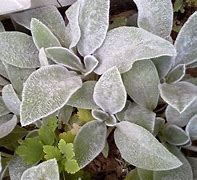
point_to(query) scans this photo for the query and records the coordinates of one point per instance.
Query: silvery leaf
(179, 95)
(18, 49)
(3, 71)
(181, 119)
(141, 83)
(89, 142)
(46, 91)
(42, 35)
(11, 99)
(90, 64)
(16, 168)
(163, 65)
(72, 14)
(3, 81)
(141, 149)
(65, 114)
(145, 174)
(176, 74)
(50, 16)
(193, 163)
(181, 173)
(125, 45)
(18, 76)
(7, 126)
(186, 42)
(3, 109)
(140, 116)
(109, 92)
(47, 170)
(159, 124)
(93, 22)
(191, 128)
(100, 115)
(190, 79)
(1, 27)
(155, 16)
(111, 121)
(65, 57)
(83, 97)
(105, 151)
(175, 135)
(43, 58)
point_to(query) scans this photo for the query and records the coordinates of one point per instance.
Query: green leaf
(175, 135)
(93, 22)
(50, 16)
(71, 166)
(46, 135)
(145, 174)
(141, 149)
(51, 152)
(132, 175)
(2, 29)
(11, 99)
(68, 136)
(39, 172)
(141, 83)
(185, 42)
(66, 149)
(83, 97)
(65, 57)
(84, 115)
(133, 44)
(109, 92)
(89, 142)
(42, 35)
(156, 21)
(31, 150)
(46, 91)
(18, 49)
(191, 128)
(179, 95)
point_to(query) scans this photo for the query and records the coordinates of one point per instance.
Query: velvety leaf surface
(90, 64)
(46, 91)
(140, 116)
(50, 16)
(100, 115)
(65, 114)
(89, 142)
(83, 97)
(43, 58)
(191, 128)
(18, 49)
(65, 57)
(133, 175)
(42, 35)
(181, 119)
(141, 149)
(47, 170)
(7, 126)
(181, 173)
(125, 45)
(186, 42)
(1, 27)
(3, 109)
(3, 71)
(155, 16)
(175, 135)
(179, 95)
(93, 22)
(11, 99)
(141, 83)
(109, 92)
(193, 163)
(159, 124)
(3, 81)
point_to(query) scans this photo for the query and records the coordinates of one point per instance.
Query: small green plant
(140, 92)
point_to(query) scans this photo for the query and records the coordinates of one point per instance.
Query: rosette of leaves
(55, 67)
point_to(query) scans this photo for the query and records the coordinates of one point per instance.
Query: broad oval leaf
(193, 163)
(141, 83)
(179, 95)
(100, 115)
(175, 135)
(141, 149)
(181, 119)
(183, 172)
(155, 16)
(47, 170)
(3, 109)
(7, 126)
(18, 49)
(46, 91)
(89, 142)
(65, 57)
(186, 43)
(93, 22)
(109, 92)
(90, 64)
(11, 99)
(125, 45)
(191, 128)
(43, 58)
(83, 97)
(145, 174)
(1, 27)
(42, 35)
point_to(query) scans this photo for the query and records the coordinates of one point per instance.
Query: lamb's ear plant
(70, 86)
